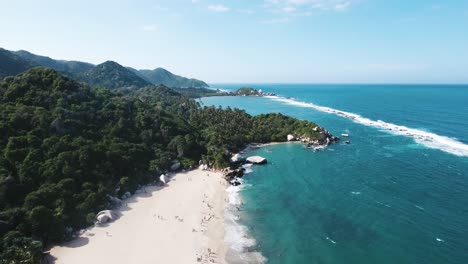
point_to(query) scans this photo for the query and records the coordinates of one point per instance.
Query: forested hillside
(165, 77)
(66, 148)
(11, 64)
(112, 75)
(109, 74)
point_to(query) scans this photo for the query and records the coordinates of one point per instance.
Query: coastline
(241, 245)
(182, 222)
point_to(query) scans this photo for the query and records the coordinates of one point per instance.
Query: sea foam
(427, 139)
(236, 235)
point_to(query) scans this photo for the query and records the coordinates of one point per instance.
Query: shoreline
(182, 222)
(237, 237)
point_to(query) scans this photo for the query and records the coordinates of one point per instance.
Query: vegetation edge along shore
(67, 149)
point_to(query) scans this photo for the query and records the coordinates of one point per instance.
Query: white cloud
(289, 9)
(276, 21)
(245, 11)
(148, 28)
(218, 8)
(342, 6)
(292, 6)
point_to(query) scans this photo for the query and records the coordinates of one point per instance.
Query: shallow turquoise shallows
(397, 194)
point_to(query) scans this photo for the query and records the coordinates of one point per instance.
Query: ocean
(397, 194)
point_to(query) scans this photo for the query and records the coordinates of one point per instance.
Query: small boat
(347, 142)
(344, 135)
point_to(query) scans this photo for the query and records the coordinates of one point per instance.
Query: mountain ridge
(165, 77)
(15, 62)
(112, 75)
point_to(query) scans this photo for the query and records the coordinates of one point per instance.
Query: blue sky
(262, 41)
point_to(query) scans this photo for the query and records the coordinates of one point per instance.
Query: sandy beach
(182, 222)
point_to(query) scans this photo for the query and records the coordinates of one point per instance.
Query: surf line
(427, 139)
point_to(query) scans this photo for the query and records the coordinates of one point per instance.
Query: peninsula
(70, 151)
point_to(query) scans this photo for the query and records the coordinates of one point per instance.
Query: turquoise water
(386, 198)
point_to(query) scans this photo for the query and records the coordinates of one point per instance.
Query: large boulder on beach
(106, 216)
(257, 160)
(291, 137)
(162, 179)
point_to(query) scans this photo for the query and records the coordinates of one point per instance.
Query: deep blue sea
(397, 194)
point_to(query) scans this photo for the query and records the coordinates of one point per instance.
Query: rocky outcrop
(291, 137)
(256, 160)
(231, 175)
(106, 216)
(324, 138)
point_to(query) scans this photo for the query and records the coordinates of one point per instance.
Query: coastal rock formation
(291, 137)
(106, 216)
(231, 175)
(256, 160)
(324, 138)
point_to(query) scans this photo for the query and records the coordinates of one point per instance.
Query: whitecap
(236, 235)
(356, 193)
(428, 139)
(248, 168)
(331, 240)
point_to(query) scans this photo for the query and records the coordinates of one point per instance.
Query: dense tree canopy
(66, 148)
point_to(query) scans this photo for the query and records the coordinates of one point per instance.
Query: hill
(165, 77)
(67, 150)
(72, 67)
(112, 75)
(12, 64)
(15, 62)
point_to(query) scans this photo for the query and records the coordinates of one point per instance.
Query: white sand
(192, 225)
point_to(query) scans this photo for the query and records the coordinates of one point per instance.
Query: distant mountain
(165, 77)
(112, 75)
(12, 64)
(109, 74)
(73, 67)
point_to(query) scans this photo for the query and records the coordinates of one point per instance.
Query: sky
(252, 41)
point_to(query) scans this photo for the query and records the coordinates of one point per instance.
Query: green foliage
(200, 92)
(64, 148)
(112, 75)
(246, 91)
(276, 127)
(72, 67)
(19, 249)
(161, 76)
(11, 64)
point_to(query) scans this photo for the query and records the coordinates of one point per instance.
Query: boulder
(232, 174)
(291, 137)
(162, 179)
(256, 160)
(106, 216)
